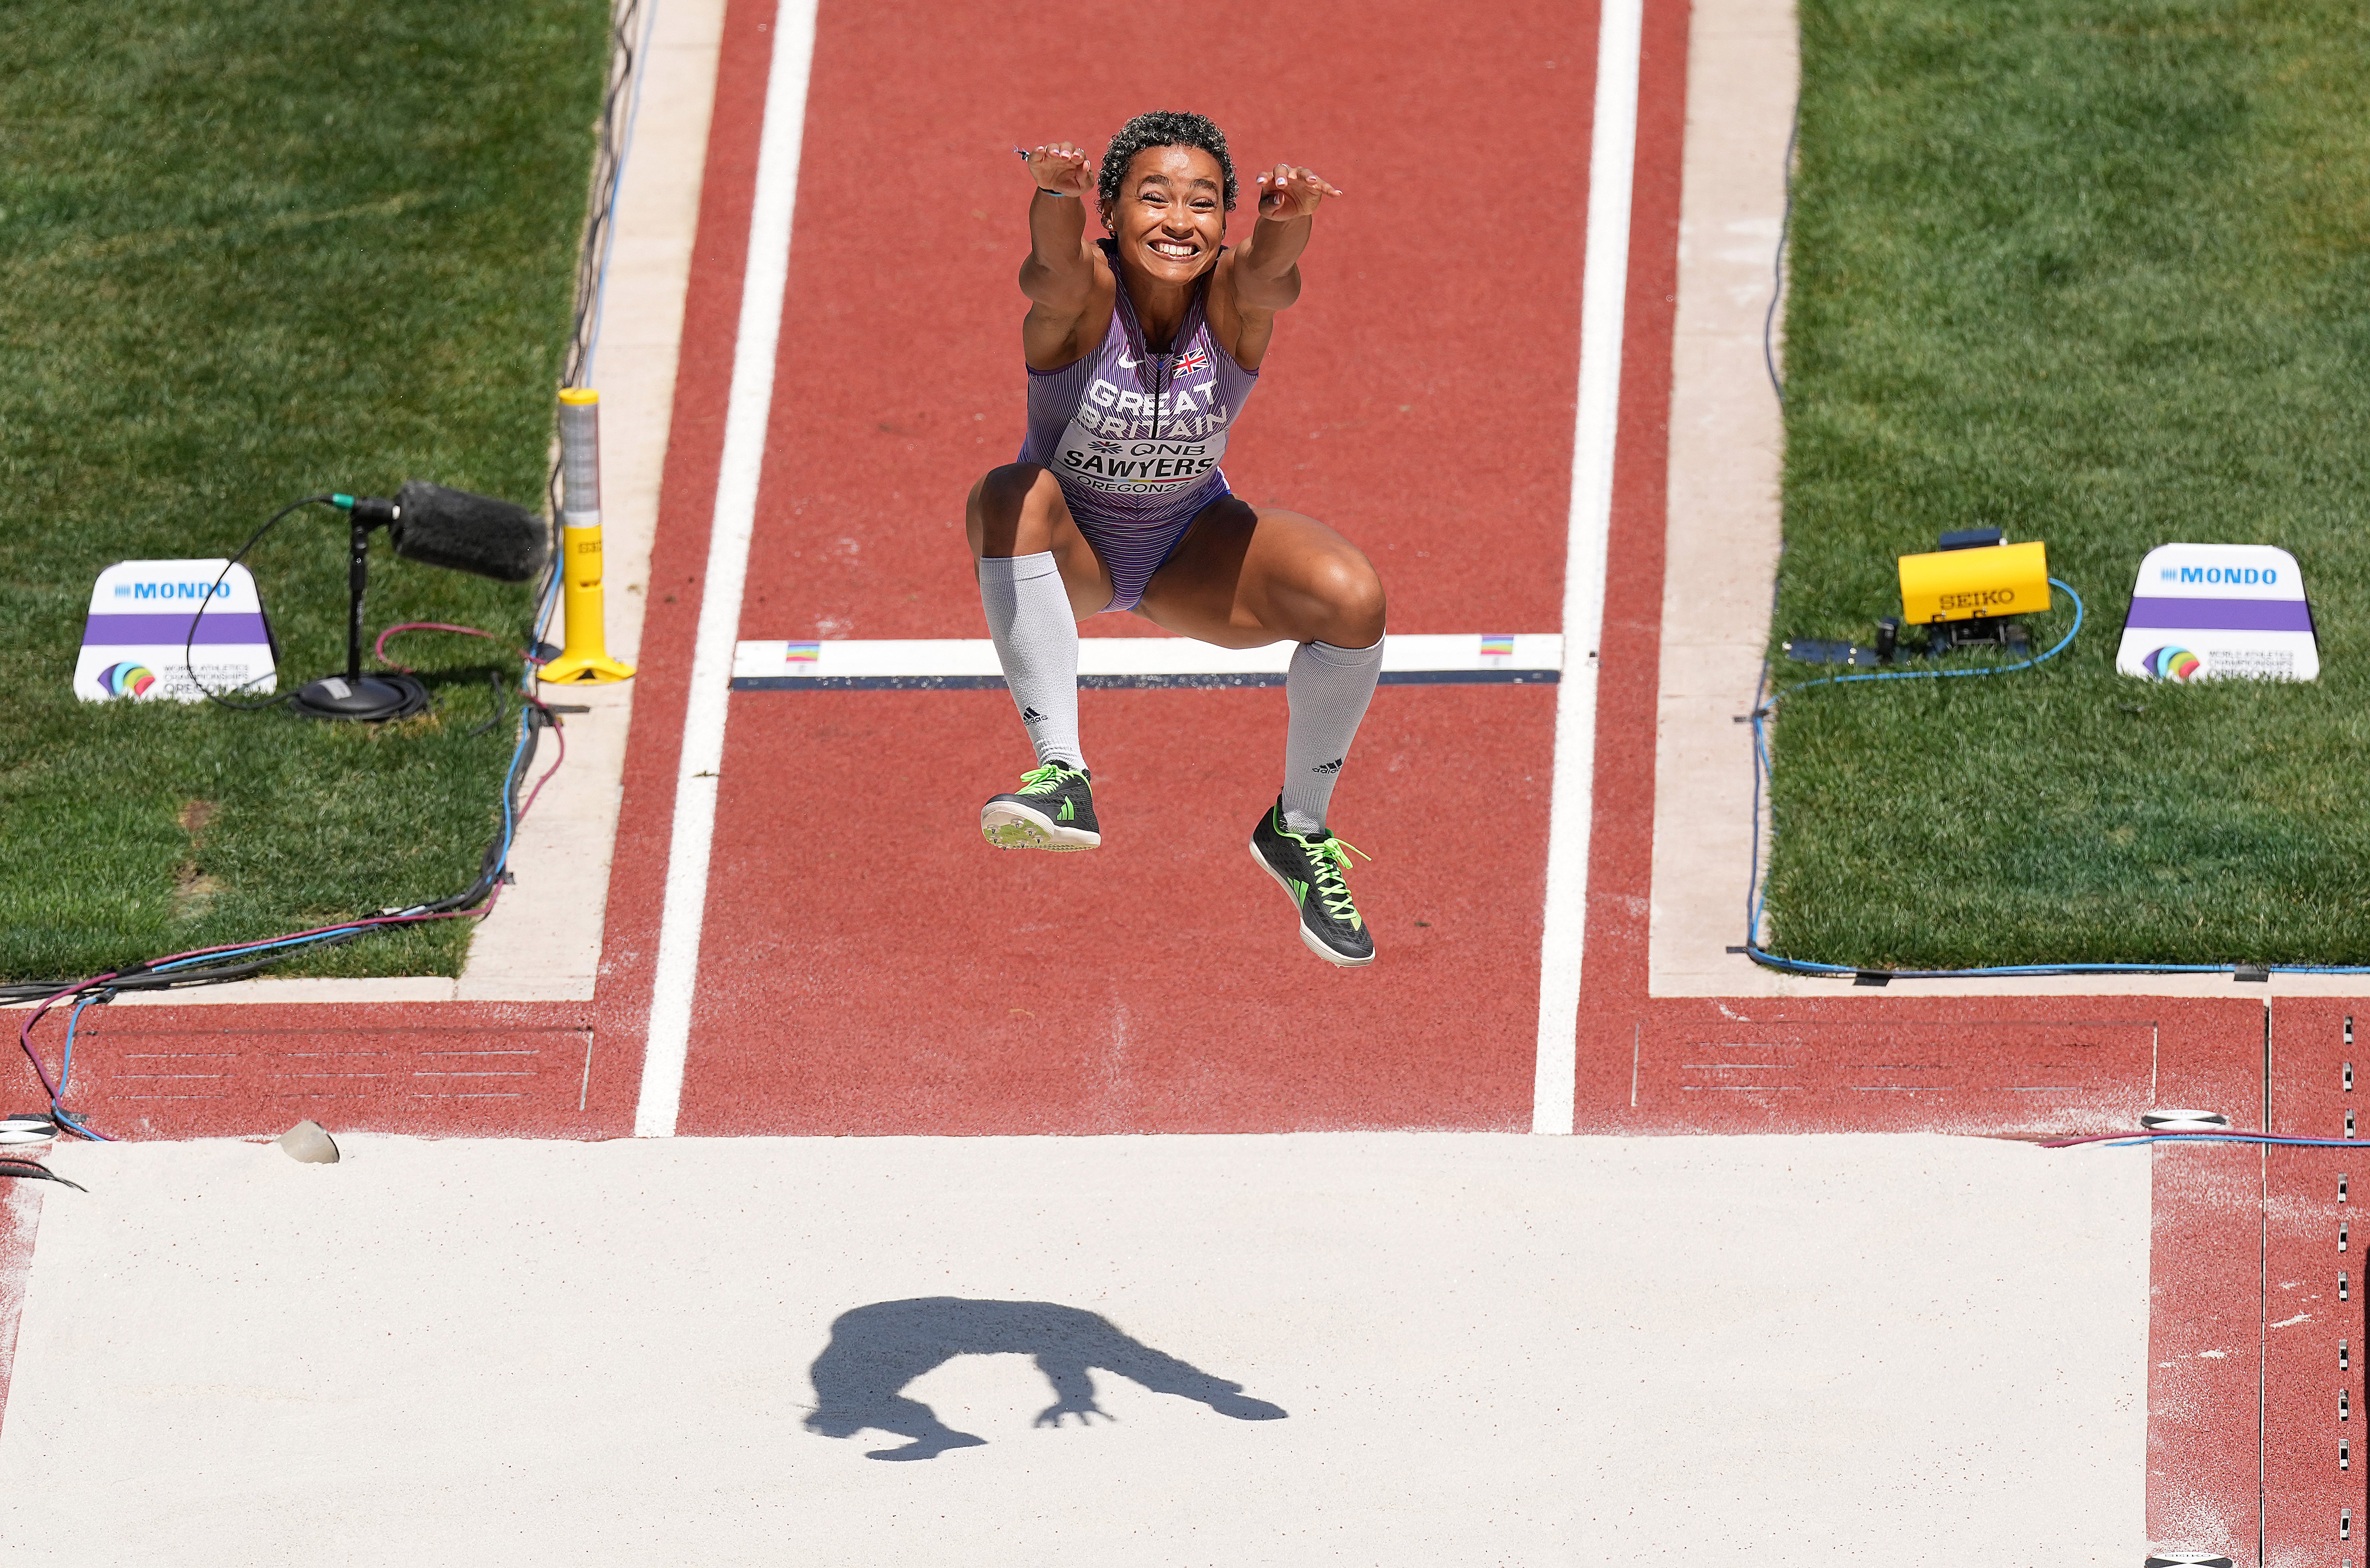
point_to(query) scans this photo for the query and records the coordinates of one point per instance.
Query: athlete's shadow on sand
(875, 1351)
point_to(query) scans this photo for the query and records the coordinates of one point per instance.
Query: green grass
(2097, 272)
(251, 250)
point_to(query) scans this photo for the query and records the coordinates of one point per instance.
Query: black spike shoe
(1309, 868)
(1053, 810)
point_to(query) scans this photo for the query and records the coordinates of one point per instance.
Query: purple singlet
(1134, 437)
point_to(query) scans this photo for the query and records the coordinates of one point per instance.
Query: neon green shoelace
(1330, 859)
(1042, 781)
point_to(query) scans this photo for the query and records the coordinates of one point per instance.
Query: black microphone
(428, 524)
(467, 533)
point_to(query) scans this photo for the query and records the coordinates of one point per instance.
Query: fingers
(1053, 1416)
(1310, 182)
(1059, 166)
(1289, 192)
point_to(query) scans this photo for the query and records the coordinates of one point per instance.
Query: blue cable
(65, 1068)
(65, 1072)
(509, 820)
(1944, 674)
(2233, 1137)
(218, 955)
(510, 825)
(74, 1016)
(73, 1126)
(1762, 770)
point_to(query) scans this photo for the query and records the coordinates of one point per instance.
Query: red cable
(378, 648)
(41, 1008)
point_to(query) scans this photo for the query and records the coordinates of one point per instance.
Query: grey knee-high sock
(1037, 642)
(1328, 688)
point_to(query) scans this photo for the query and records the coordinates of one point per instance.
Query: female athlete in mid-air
(1141, 348)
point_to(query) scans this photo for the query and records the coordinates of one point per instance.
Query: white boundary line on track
(765, 281)
(1604, 288)
(785, 663)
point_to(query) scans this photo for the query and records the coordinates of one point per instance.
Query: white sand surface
(1489, 1350)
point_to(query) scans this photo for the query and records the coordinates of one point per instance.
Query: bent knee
(1015, 484)
(1012, 509)
(1351, 591)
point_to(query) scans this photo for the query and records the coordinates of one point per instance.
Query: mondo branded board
(2203, 612)
(173, 629)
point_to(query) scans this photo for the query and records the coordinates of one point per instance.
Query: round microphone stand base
(371, 699)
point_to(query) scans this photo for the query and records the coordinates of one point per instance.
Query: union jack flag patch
(1197, 360)
(1104, 446)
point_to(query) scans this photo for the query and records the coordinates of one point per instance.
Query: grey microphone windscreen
(468, 534)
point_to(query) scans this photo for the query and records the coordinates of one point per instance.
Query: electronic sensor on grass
(1966, 590)
(1961, 593)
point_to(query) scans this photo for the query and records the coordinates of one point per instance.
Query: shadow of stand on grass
(876, 1350)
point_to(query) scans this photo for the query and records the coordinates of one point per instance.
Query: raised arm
(1060, 275)
(1262, 276)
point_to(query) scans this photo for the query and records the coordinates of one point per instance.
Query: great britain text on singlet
(1130, 443)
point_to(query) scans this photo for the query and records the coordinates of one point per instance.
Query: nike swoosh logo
(1127, 364)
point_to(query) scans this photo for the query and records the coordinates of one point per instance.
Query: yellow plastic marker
(584, 660)
(1990, 579)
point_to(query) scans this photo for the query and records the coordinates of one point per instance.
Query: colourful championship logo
(801, 653)
(1498, 645)
(2174, 664)
(1196, 361)
(127, 680)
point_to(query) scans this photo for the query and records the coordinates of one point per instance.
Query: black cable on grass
(189, 660)
(239, 960)
(611, 139)
(213, 966)
(493, 679)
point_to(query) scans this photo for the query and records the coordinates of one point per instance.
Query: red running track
(870, 966)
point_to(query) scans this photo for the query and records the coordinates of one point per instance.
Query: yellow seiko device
(1975, 580)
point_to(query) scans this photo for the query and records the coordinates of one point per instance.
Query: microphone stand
(369, 699)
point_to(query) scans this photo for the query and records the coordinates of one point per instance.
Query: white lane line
(1481, 655)
(1604, 287)
(763, 281)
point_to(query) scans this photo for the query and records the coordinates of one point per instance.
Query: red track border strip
(679, 553)
(1621, 861)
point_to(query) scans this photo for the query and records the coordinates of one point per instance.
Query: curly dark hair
(1163, 128)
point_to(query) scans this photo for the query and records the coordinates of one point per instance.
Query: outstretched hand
(1085, 1410)
(1288, 191)
(1063, 167)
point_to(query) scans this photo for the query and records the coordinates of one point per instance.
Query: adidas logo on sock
(1332, 767)
(1030, 715)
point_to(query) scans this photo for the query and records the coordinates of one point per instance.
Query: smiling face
(1170, 217)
